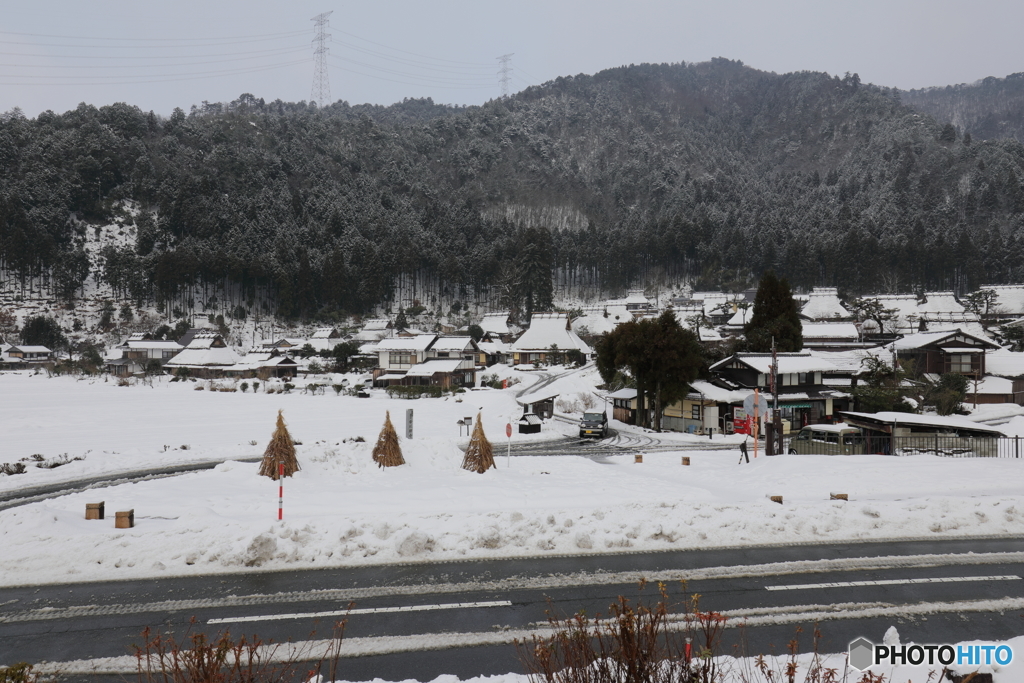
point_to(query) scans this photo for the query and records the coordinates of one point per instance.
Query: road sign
(508, 430)
(762, 405)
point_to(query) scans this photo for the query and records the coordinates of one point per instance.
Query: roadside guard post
(508, 433)
(280, 491)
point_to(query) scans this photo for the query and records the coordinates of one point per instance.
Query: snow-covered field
(341, 510)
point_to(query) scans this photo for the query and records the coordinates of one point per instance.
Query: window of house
(442, 354)
(401, 358)
(695, 412)
(960, 363)
(803, 378)
(788, 379)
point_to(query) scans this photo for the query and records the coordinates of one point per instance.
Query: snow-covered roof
(30, 349)
(151, 344)
(788, 362)
(596, 323)
(992, 385)
(709, 334)
(955, 336)
(742, 316)
(193, 356)
(637, 297)
(492, 347)
(713, 392)
(433, 366)
(626, 394)
(1005, 363)
(823, 304)
(324, 333)
(495, 322)
(376, 324)
(1009, 299)
(420, 342)
(452, 344)
(830, 331)
(547, 330)
(925, 421)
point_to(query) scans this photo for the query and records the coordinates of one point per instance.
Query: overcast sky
(175, 54)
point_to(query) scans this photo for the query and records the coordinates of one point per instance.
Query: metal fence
(948, 446)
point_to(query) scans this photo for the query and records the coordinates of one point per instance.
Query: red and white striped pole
(280, 491)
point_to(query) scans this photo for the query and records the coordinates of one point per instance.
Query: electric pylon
(504, 72)
(321, 79)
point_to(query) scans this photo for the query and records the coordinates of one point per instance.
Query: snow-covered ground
(341, 510)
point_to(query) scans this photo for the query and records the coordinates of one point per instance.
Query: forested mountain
(711, 171)
(989, 109)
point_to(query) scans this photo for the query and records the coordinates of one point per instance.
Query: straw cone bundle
(479, 456)
(387, 452)
(281, 449)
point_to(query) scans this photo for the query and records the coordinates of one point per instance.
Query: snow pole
(280, 491)
(754, 428)
(508, 455)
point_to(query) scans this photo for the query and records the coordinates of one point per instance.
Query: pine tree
(775, 316)
(479, 455)
(387, 452)
(281, 449)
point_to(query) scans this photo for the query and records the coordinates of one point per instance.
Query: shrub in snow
(479, 456)
(281, 449)
(387, 452)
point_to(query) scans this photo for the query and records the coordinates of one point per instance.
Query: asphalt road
(465, 613)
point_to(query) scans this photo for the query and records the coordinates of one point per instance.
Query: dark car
(594, 424)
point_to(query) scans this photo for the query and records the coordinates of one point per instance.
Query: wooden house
(944, 351)
(804, 396)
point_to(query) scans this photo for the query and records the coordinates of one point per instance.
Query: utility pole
(776, 431)
(504, 72)
(321, 79)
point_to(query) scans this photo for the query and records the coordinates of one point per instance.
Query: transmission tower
(504, 72)
(321, 79)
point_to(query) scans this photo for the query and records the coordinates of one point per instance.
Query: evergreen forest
(708, 172)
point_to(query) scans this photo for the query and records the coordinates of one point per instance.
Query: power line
(436, 87)
(465, 79)
(503, 72)
(160, 78)
(266, 53)
(321, 93)
(149, 40)
(414, 54)
(409, 62)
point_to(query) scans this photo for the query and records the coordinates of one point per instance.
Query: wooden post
(686, 460)
(94, 510)
(638, 458)
(124, 519)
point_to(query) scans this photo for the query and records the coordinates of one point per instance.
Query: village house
(548, 332)
(264, 364)
(29, 354)
(834, 336)
(207, 356)
(804, 397)
(937, 353)
(411, 361)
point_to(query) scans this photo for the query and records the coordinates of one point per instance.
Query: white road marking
(548, 582)
(366, 610)
(891, 582)
(312, 650)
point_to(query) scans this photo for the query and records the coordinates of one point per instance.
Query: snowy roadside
(341, 510)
